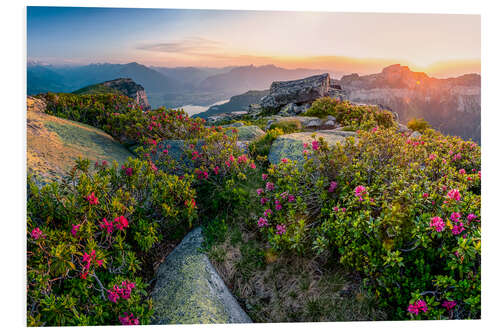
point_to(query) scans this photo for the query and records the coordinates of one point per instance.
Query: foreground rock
(55, 143)
(247, 133)
(290, 146)
(189, 290)
(306, 123)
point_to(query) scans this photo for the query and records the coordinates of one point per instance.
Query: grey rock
(290, 146)
(298, 91)
(330, 123)
(416, 135)
(247, 133)
(315, 123)
(189, 290)
(402, 128)
(329, 117)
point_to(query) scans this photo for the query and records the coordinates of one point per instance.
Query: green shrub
(287, 126)
(418, 125)
(355, 117)
(259, 149)
(404, 212)
(88, 238)
(122, 118)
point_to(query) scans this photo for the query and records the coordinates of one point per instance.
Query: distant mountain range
(172, 87)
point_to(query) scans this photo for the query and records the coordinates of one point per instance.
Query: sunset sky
(441, 45)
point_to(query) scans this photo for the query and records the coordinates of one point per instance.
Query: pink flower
(359, 191)
(278, 206)
(315, 145)
(269, 186)
(284, 160)
(461, 171)
(231, 158)
(260, 191)
(374, 129)
(455, 216)
(92, 199)
(121, 222)
(333, 186)
(252, 165)
(454, 194)
(280, 229)
(262, 222)
(128, 319)
(268, 212)
(335, 209)
(291, 198)
(242, 159)
(107, 225)
(448, 305)
(263, 201)
(74, 229)
(471, 217)
(343, 209)
(457, 229)
(264, 176)
(305, 145)
(418, 306)
(195, 155)
(216, 170)
(37, 233)
(437, 223)
(425, 195)
(432, 157)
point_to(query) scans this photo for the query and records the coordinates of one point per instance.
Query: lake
(195, 109)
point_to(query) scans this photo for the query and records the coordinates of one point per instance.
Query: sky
(442, 45)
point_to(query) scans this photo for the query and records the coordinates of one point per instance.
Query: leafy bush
(418, 125)
(122, 118)
(404, 212)
(88, 238)
(287, 126)
(355, 117)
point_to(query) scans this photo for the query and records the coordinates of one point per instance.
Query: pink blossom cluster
(121, 292)
(37, 233)
(454, 194)
(360, 191)
(92, 199)
(121, 223)
(333, 186)
(128, 319)
(87, 260)
(280, 229)
(437, 223)
(262, 222)
(417, 307)
(448, 305)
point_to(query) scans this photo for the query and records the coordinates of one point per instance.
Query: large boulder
(300, 91)
(188, 289)
(247, 133)
(55, 143)
(291, 146)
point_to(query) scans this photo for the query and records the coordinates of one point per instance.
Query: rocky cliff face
(131, 89)
(453, 106)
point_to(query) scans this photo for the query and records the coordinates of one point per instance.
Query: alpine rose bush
(404, 212)
(88, 235)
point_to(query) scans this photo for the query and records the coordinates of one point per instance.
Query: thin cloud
(193, 45)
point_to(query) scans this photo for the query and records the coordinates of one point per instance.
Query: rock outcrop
(300, 91)
(55, 143)
(291, 146)
(188, 289)
(247, 133)
(452, 106)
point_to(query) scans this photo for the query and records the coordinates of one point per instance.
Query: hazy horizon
(440, 45)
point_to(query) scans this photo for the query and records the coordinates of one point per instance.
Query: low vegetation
(386, 226)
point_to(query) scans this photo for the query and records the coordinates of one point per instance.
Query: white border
(13, 121)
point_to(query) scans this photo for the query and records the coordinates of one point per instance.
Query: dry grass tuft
(288, 288)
